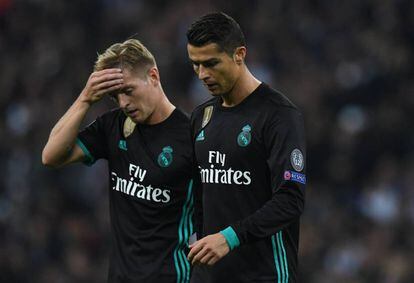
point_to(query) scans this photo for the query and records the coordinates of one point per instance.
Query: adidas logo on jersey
(122, 145)
(200, 136)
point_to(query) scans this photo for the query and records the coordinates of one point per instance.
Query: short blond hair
(131, 54)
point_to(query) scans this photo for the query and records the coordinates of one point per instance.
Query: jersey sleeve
(92, 141)
(284, 140)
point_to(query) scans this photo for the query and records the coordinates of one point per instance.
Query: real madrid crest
(129, 127)
(165, 158)
(245, 137)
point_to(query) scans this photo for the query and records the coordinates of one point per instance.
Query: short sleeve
(92, 140)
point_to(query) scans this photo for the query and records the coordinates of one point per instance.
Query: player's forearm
(63, 135)
(284, 208)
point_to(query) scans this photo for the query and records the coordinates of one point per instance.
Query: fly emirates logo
(216, 175)
(134, 187)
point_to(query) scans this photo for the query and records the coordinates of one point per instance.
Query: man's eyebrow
(125, 88)
(205, 61)
(116, 92)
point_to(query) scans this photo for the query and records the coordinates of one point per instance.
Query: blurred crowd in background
(348, 65)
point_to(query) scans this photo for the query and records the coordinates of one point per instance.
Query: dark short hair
(216, 28)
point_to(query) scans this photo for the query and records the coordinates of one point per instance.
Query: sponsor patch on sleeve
(295, 177)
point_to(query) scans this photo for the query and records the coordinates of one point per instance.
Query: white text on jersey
(137, 172)
(227, 176)
(135, 188)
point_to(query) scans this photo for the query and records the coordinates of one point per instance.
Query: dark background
(348, 65)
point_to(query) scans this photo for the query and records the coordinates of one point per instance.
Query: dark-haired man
(250, 148)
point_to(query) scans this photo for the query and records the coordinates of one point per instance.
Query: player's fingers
(206, 258)
(109, 90)
(202, 253)
(212, 260)
(107, 84)
(197, 246)
(106, 71)
(106, 77)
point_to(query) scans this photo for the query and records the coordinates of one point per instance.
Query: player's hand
(208, 250)
(101, 83)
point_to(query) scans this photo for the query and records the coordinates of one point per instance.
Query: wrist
(231, 237)
(83, 103)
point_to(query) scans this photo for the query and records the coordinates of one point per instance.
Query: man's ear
(153, 76)
(239, 55)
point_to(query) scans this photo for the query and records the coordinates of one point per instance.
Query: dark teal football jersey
(150, 195)
(251, 159)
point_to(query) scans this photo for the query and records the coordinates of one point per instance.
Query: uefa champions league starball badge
(296, 159)
(165, 158)
(244, 138)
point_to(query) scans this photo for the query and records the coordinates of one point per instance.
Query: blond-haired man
(147, 143)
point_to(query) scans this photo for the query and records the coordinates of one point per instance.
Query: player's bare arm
(61, 149)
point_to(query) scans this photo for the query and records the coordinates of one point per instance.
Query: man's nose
(123, 101)
(202, 73)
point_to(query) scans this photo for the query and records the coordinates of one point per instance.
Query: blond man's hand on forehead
(101, 83)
